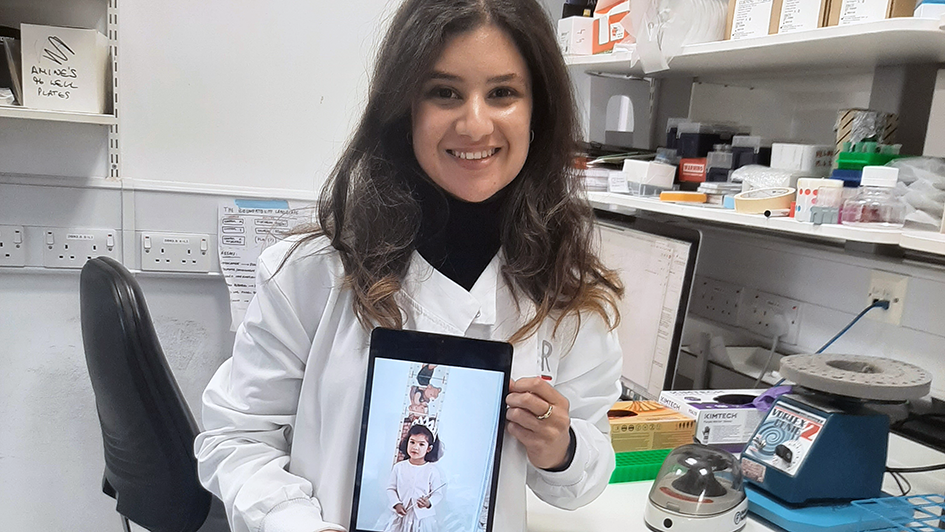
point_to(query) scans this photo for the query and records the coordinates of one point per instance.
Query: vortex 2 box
(648, 425)
(724, 418)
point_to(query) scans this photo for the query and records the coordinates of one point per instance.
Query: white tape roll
(764, 199)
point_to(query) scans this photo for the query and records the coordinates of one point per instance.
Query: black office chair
(147, 427)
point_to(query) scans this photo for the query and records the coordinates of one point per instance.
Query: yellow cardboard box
(648, 425)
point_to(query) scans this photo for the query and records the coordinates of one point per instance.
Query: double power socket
(760, 312)
(72, 247)
(61, 247)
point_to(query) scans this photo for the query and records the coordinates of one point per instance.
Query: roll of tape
(764, 199)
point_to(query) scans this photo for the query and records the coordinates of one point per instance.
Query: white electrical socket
(12, 250)
(760, 310)
(72, 247)
(891, 287)
(716, 300)
(175, 252)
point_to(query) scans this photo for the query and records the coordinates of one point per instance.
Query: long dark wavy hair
(369, 207)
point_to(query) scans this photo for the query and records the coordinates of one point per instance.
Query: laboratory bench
(620, 507)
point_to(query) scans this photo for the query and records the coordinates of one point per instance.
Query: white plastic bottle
(875, 203)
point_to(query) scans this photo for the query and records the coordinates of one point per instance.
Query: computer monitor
(656, 262)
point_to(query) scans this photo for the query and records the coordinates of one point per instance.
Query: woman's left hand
(538, 417)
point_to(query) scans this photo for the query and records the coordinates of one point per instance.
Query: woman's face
(472, 121)
(417, 447)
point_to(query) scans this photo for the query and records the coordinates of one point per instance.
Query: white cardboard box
(814, 160)
(576, 35)
(64, 69)
(718, 422)
(649, 173)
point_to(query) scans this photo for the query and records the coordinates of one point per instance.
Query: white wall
(935, 138)
(832, 285)
(242, 93)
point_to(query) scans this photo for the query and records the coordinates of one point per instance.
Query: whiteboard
(241, 93)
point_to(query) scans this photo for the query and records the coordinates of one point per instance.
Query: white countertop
(619, 508)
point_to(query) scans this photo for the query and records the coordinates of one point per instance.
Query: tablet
(433, 421)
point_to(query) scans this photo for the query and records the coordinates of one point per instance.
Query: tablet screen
(433, 420)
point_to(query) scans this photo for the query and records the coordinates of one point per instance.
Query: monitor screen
(656, 262)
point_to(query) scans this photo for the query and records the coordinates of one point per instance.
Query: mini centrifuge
(698, 488)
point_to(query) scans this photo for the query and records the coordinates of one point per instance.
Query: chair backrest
(147, 427)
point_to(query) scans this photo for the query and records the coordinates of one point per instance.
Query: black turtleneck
(459, 238)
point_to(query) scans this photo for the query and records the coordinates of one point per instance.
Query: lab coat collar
(429, 292)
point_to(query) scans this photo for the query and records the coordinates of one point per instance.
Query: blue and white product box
(64, 69)
(724, 418)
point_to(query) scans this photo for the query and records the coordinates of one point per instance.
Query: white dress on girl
(408, 483)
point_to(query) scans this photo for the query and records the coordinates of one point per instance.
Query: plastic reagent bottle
(875, 203)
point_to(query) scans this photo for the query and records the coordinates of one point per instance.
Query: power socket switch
(716, 300)
(760, 312)
(890, 287)
(175, 252)
(72, 247)
(12, 250)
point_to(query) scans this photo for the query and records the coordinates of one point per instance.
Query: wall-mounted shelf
(864, 45)
(927, 241)
(57, 116)
(832, 232)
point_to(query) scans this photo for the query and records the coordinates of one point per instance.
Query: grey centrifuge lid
(864, 377)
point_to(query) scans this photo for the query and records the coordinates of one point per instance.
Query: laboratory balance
(825, 444)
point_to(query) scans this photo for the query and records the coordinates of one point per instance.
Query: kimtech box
(648, 425)
(724, 418)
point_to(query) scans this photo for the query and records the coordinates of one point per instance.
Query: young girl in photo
(416, 486)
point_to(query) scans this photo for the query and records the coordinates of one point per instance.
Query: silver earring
(532, 139)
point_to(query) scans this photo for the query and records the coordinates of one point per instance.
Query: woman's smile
(472, 121)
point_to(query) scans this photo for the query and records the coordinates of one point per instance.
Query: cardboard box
(648, 425)
(724, 418)
(692, 170)
(64, 69)
(607, 29)
(750, 18)
(813, 160)
(575, 35)
(844, 12)
(649, 173)
(789, 16)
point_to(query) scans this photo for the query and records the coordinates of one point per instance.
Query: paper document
(247, 227)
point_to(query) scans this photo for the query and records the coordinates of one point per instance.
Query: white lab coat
(282, 417)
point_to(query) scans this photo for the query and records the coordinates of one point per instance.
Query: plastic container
(639, 465)
(875, 203)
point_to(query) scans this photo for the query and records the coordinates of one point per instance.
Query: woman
(452, 210)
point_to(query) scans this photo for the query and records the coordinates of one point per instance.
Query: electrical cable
(899, 479)
(882, 303)
(774, 346)
(920, 469)
(879, 303)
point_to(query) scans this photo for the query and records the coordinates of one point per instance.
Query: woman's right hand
(399, 508)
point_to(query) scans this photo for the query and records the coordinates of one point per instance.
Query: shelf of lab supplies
(926, 241)
(57, 116)
(835, 232)
(863, 45)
